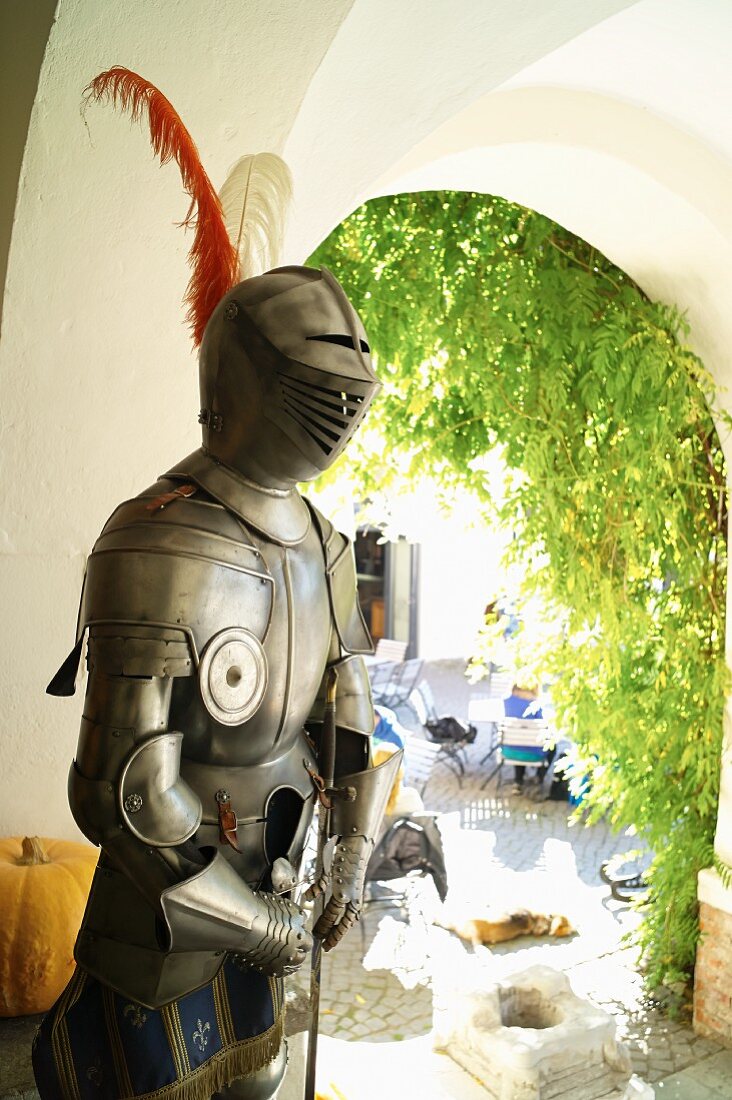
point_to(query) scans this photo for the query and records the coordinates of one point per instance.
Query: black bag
(411, 843)
(559, 790)
(451, 729)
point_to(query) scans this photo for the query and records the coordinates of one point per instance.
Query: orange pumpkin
(44, 885)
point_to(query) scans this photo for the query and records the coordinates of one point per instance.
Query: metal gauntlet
(361, 815)
(355, 822)
(216, 910)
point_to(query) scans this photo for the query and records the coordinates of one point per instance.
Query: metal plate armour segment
(233, 676)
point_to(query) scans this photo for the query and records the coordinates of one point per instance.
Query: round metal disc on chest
(233, 676)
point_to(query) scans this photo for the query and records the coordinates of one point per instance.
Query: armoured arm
(362, 791)
(127, 795)
(359, 798)
(358, 806)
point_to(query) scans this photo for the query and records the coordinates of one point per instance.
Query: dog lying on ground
(508, 926)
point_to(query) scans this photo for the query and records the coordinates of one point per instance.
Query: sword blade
(327, 769)
(315, 971)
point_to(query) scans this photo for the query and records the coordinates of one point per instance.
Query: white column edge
(712, 891)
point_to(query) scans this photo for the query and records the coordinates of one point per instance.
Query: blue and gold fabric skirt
(97, 1044)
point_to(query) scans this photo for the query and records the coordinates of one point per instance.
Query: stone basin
(530, 1037)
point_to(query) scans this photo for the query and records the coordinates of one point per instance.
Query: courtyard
(503, 850)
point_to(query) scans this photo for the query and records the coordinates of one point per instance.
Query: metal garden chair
(521, 742)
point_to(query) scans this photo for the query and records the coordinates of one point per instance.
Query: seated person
(523, 703)
(388, 737)
(388, 727)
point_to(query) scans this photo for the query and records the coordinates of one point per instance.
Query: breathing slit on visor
(343, 340)
(325, 418)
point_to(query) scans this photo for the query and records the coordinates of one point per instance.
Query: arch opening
(497, 328)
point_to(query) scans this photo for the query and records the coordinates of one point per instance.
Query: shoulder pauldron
(159, 585)
(340, 572)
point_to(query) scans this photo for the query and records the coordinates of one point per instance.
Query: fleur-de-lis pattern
(137, 1016)
(95, 1073)
(200, 1038)
(92, 1040)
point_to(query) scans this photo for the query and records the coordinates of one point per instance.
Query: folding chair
(381, 666)
(392, 683)
(380, 675)
(389, 649)
(450, 734)
(420, 757)
(521, 742)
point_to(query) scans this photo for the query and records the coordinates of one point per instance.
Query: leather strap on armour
(227, 820)
(165, 499)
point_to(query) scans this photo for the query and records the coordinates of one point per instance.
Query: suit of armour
(214, 604)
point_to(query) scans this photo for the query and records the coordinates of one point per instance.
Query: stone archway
(614, 122)
(99, 384)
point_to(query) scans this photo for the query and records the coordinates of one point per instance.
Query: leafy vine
(497, 328)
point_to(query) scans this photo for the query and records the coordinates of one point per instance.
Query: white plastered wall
(612, 117)
(98, 379)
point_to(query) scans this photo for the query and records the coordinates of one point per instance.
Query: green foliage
(495, 327)
(724, 871)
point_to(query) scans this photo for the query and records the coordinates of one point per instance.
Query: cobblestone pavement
(710, 1080)
(510, 851)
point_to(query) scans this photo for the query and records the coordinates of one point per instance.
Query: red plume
(212, 256)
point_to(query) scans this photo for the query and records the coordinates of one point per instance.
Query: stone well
(529, 1037)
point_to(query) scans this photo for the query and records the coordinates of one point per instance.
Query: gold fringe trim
(118, 1054)
(60, 1044)
(222, 1010)
(240, 1060)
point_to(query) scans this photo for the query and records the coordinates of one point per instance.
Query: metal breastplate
(295, 649)
(268, 752)
(196, 571)
(253, 760)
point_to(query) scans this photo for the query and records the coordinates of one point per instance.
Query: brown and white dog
(500, 927)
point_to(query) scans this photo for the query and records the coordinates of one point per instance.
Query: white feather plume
(255, 198)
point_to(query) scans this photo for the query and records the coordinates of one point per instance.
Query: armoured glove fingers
(277, 942)
(347, 876)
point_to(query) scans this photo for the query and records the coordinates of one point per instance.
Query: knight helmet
(285, 376)
(285, 367)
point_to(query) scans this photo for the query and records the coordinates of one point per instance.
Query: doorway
(388, 580)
